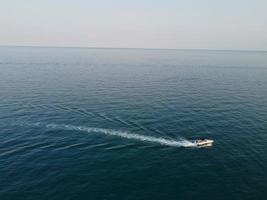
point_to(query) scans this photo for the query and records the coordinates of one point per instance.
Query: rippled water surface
(79, 123)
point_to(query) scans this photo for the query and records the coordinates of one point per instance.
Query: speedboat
(203, 142)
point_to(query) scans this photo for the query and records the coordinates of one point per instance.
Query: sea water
(84, 123)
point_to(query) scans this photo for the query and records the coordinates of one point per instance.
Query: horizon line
(136, 48)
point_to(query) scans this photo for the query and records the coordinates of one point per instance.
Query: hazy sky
(208, 24)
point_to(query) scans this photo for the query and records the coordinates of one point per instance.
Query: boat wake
(123, 134)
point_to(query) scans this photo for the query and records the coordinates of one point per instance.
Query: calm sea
(81, 123)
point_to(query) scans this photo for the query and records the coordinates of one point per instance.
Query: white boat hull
(204, 143)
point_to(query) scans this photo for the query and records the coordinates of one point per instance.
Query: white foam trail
(123, 134)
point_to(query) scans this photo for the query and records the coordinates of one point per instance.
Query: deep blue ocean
(81, 123)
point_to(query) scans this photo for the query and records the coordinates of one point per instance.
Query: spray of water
(123, 134)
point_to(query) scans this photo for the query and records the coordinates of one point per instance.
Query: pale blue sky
(181, 24)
